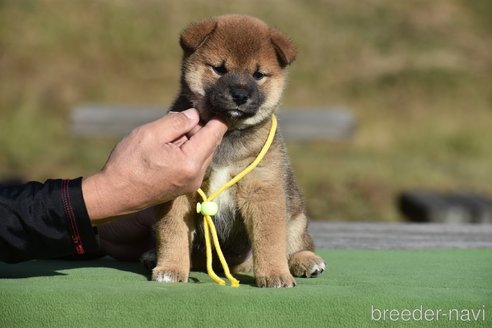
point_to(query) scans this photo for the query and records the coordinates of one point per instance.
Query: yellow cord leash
(208, 208)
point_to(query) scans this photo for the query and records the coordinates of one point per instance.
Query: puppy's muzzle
(234, 96)
(239, 95)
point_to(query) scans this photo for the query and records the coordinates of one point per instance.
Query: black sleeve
(44, 220)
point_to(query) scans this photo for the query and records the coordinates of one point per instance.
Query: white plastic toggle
(207, 208)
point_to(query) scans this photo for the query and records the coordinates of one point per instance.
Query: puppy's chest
(226, 201)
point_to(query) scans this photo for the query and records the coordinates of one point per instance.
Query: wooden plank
(296, 124)
(363, 235)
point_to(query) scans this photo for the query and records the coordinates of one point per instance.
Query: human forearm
(44, 220)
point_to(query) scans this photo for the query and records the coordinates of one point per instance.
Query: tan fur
(235, 67)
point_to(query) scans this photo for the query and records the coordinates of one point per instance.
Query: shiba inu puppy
(235, 67)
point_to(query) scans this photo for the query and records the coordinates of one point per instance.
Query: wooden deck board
(298, 124)
(339, 235)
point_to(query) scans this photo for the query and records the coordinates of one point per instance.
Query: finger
(174, 125)
(203, 144)
(195, 130)
(180, 141)
(206, 164)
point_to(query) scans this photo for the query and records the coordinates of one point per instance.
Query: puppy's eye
(219, 70)
(258, 75)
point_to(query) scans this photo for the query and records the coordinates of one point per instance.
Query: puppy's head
(234, 67)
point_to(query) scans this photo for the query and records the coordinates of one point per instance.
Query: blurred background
(417, 76)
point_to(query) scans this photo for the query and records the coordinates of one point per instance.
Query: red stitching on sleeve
(70, 215)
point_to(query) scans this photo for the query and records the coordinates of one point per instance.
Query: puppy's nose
(239, 95)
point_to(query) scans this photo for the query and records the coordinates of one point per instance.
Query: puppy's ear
(286, 52)
(196, 34)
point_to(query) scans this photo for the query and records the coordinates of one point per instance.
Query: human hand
(155, 163)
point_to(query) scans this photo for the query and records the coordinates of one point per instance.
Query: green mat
(359, 289)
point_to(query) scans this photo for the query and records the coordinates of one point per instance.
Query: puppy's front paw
(167, 274)
(275, 280)
(306, 264)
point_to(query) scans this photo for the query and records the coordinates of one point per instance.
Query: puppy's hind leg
(246, 266)
(149, 259)
(306, 264)
(303, 262)
(173, 241)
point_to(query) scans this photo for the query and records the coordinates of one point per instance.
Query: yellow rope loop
(208, 245)
(208, 223)
(208, 248)
(215, 238)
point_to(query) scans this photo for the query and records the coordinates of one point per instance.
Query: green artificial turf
(356, 285)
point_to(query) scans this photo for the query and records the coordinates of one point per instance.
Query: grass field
(357, 284)
(417, 74)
